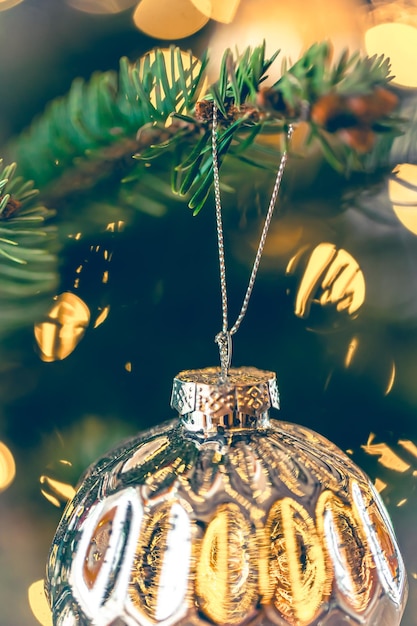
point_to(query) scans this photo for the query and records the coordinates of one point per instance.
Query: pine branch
(28, 263)
(392, 149)
(97, 122)
(153, 110)
(94, 132)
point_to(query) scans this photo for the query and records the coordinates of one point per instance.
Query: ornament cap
(206, 402)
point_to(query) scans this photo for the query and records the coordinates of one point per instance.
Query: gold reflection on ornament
(227, 580)
(160, 569)
(347, 550)
(288, 469)
(382, 533)
(387, 457)
(56, 491)
(147, 453)
(251, 471)
(398, 42)
(101, 6)
(97, 549)
(219, 10)
(298, 579)
(402, 190)
(331, 277)
(7, 467)
(8, 4)
(39, 604)
(167, 19)
(66, 323)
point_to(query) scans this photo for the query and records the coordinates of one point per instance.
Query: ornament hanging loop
(224, 338)
(224, 341)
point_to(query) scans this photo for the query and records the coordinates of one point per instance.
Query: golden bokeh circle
(166, 19)
(39, 604)
(8, 4)
(220, 10)
(7, 467)
(398, 42)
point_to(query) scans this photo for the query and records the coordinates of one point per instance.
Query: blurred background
(334, 311)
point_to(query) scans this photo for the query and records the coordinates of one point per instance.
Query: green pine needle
(28, 263)
(101, 124)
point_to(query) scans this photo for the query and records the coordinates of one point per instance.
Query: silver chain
(224, 338)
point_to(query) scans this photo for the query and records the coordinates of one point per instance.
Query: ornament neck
(206, 402)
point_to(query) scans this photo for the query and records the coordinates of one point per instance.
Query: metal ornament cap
(226, 523)
(206, 402)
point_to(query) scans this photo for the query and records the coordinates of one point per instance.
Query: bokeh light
(219, 10)
(102, 316)
(386, 455)
(8, 4)
(289, 26)
(402, 190)
(283, 238)
(391, 380)
(167, 19)
(39, 604)
(66, 323)
(101, 6)
(331, 277)
(56, 491)
(7, 467)
(399, 43)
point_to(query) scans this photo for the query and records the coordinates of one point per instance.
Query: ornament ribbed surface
(272, 526)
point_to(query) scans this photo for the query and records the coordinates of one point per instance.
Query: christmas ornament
(226, 516)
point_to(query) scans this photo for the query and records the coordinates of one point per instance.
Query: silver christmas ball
(226, 517)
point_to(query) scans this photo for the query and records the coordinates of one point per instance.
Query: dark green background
(165, 312)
